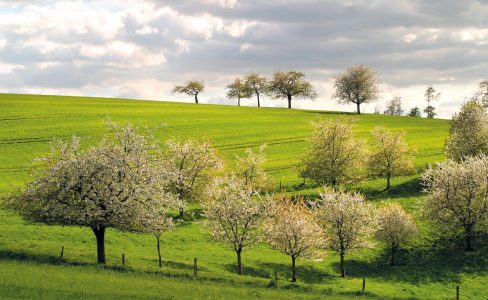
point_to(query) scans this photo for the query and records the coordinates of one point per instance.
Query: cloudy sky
(140, 49)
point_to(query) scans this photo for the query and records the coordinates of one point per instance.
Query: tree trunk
(259, 105)
(182, 212)
(196, 98)
(239, 262)
(469, 237)
(238, 101)
(394, 248)
(358, 108)
(343, 269)
(293, 269)
(388, 176)
(289, 101)
(100, 235)
(159, 253)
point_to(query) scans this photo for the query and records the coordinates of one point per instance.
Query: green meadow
(29, 253)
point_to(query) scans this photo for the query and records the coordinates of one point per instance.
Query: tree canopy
(289, 85)
(457, 198)
(394, 107)
(257, 84)
(335, 156)
(292, 229)
(191, 88)
(233, 214)
(431, 95)
(114, 184)
(358, 84)
(347, 220)
(468, 135)
(390, 155)
(395, 227)
(238, 89)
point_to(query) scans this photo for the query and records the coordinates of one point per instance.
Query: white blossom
(234, 212)
(347, 220)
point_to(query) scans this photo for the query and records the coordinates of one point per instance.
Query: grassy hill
(28, 252)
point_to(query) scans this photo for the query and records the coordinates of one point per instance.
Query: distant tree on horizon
(358, 84)
(191, 88)
(289, 85)
(414, 112)
(394, 107)
(257, 84)
(238, 89)
(431, 95)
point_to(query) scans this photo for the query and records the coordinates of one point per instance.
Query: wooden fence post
(457, 292)
(364, 285)
(195, 267)
(123, 259)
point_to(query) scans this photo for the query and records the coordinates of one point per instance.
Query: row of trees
(336, 220)
(357, 85)
(283, 85)
(394, 106)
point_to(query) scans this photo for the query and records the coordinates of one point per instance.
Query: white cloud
(123, 54)
(223, 3)
(47, 64)
(145, 30)
(238, 28)
(183, 45)
(142, 88)
(9, 68)
(245, 47)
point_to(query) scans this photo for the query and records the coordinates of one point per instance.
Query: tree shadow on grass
(54, 260)
(248, 270)
(24, 256)
(305, 273)
(410, 188)
(445, 261)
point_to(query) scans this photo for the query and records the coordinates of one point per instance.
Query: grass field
(29, 267)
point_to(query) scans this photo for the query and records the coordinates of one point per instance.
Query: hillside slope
(29, 252)
(28, 123)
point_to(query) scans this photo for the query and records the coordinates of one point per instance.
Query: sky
(141, 49)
